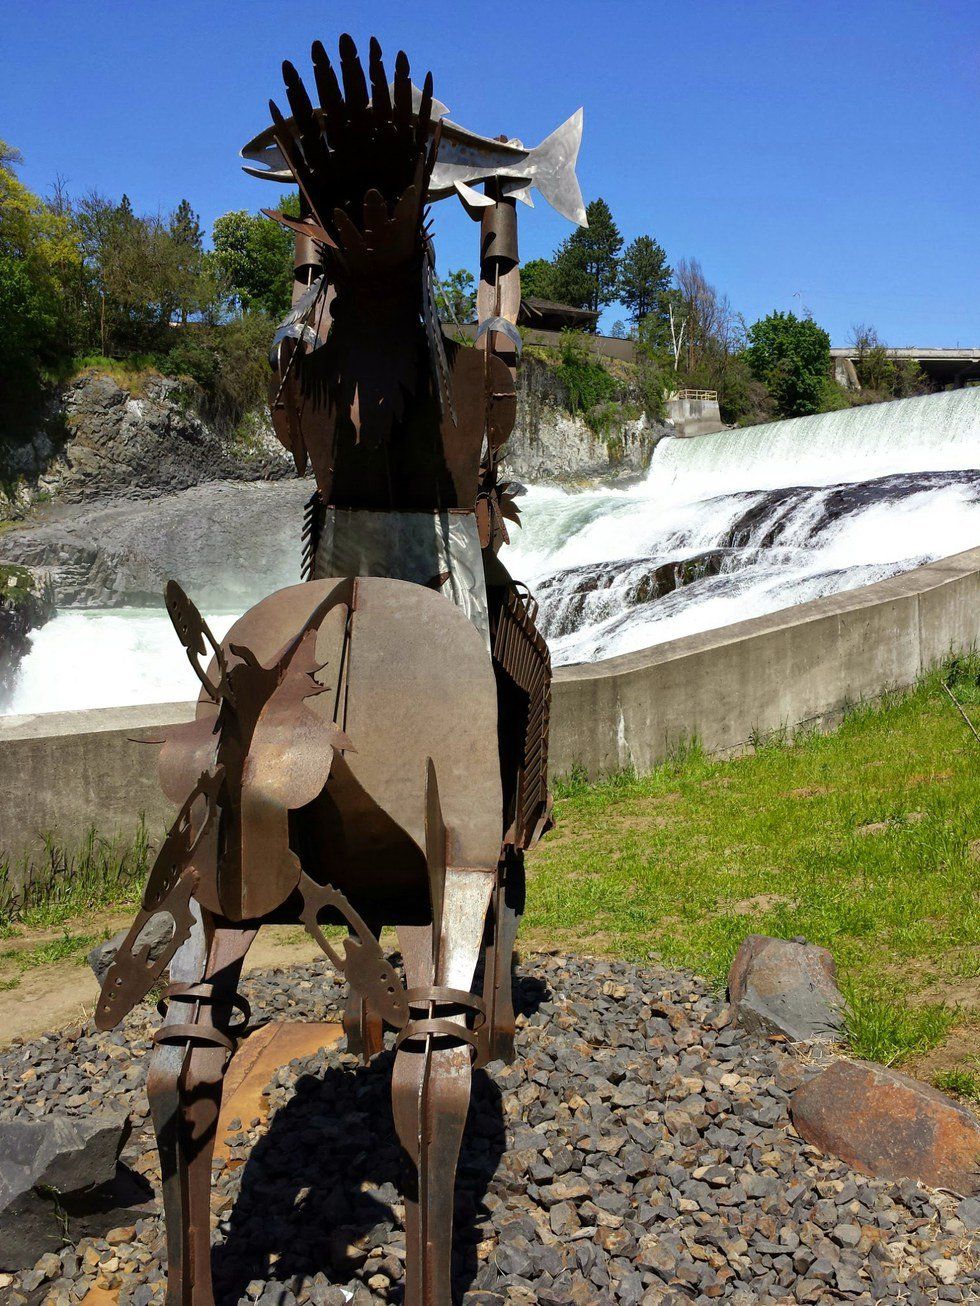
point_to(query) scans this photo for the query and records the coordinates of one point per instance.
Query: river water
(724, 527)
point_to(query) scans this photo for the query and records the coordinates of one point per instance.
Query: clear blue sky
(812, 153)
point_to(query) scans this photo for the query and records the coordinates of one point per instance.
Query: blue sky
(815, 154)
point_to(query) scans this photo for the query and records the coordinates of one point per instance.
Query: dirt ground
(61, 994)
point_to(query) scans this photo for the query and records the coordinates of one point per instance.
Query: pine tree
(187, 239)
(644, 277)
(185, 226)
(587, 263)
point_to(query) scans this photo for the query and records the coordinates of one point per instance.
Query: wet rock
(780, 986)
(889, 1125)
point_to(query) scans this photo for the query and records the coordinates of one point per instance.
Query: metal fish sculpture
(465, 158)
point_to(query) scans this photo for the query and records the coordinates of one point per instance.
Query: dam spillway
(744, 522)
(723, 528)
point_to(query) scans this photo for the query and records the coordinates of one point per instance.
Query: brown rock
(889, 1125)
(780, 986)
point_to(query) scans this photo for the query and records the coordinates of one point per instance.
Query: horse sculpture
(370, 745)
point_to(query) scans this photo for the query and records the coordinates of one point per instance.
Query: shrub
(587, 381)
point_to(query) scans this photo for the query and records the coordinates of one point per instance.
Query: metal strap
(443, 996)
(419, 1029)
(206, 1034)
(202, 992)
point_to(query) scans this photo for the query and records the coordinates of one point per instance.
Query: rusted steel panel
(369, 749)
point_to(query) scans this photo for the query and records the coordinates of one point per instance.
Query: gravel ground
(638, 1151)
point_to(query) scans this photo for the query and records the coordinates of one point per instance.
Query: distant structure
(947, 369)
(546, 315)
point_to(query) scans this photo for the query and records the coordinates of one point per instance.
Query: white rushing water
(785, 512)
(751, 520)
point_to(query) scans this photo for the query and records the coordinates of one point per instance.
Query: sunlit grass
(62, 883)
(864, 841)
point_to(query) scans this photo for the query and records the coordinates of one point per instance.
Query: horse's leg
(363, 1023)
(192, 1049)
(431, 1078)
(497, 1036)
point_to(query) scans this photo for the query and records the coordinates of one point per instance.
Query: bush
(228, 362)
(587, 381)
(791, 357)
(833, 398)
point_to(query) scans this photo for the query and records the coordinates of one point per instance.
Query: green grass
(62, 884)
(961, 1082)
(859, 840)
(68, 947)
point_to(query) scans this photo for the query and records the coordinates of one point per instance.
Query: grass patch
(67, 946)
(17, 962)
(880, 1030)
(866, 841)
(62, 884)
(962, 1083)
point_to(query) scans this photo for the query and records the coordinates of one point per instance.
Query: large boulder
(889, 1125)
(48, 1168)
(156, 934)
(787, 987)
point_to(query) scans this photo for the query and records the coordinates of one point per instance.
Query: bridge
(948, 369)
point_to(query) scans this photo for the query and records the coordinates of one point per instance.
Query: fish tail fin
(554, 171)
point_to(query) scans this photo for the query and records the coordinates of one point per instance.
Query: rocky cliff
(100, 439)
(123, 486)
(26, 602)
(555, 445)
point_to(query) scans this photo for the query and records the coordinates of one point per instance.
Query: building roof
(546, 313)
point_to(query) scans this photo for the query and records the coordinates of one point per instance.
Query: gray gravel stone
(729, 1206)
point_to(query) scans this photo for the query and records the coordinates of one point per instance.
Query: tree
(255, 255)
(878, 370)
(644, 277)
(538, 279)
(456, 296)
(707, 317)
(587, 262)
(137, 277)
(39, 259)
(187, 236)
(791, 356)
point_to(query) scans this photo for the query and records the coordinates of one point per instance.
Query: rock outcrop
(221, 541)
(97, 440)
(550, 443)
(26, 602)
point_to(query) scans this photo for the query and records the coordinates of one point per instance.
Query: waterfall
(745, 522)
(724, 527)
(929, 433)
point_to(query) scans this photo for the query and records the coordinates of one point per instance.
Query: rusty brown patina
(370, 746)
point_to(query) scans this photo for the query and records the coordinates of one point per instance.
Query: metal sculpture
(370, 746)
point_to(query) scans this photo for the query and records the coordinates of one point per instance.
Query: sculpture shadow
(319, 1190)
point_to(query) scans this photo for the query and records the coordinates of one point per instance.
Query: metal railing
(711, 395)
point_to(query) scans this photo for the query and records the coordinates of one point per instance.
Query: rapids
(750, 521)
(723, 527)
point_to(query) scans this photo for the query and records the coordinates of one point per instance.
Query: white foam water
(775, 497)
(793, 510)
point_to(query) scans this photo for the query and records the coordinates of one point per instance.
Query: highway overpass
(946, 368)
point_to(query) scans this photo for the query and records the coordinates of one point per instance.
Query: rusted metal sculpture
(370, 746)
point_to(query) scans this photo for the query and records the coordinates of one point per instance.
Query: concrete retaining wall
(694, 416)
(62, 772)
